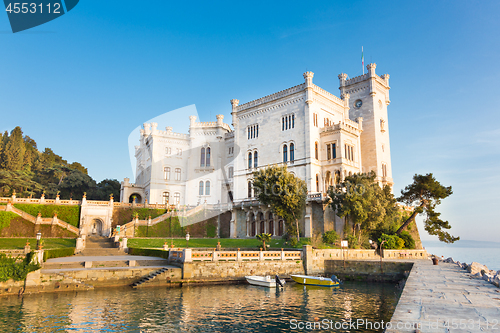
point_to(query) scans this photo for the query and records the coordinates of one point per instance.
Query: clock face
(358, 103)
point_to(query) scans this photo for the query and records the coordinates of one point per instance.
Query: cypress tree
(14, 150)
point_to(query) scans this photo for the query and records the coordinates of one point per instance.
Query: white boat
(263, 281)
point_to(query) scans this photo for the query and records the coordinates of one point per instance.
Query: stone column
(307, 259)
(232, 224)
(308, 221)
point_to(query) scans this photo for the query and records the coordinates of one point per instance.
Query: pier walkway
(444, 298)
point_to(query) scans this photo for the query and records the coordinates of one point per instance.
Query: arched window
(177, 198)
(208, 157)
(292, 152)
(286, 122)
(316, 153)
(166, 173)
(249, 189)
(293, 121)
(317, 182)
(271, 224)
(250, 160)
(255, 160)
(202, 159)
(177, 174)
(166, 196)
(285, 153)
(201, 188)
(207, 187)
(230, 172)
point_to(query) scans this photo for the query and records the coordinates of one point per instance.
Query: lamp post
(187, 240)
(147, 229)
(381, 249)
(38, 237)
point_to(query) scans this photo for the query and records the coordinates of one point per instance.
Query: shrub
(352, 241)
(294, 242)
(12, 268)
(391, 242)
(408, 239)
(69, 214)
(330, 237)
(58, 253)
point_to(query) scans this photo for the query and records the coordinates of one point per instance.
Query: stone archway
(138, 198)
(96, 227)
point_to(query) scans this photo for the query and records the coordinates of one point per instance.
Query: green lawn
(209, 243)
(48, 243)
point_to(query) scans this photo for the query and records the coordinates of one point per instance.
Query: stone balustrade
(191, 255)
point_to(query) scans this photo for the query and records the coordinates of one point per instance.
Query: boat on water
(316, 280)
(265, 281)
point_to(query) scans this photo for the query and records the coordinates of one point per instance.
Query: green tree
(361, 199)
(105, 188)
(263, 237)
(426, 194)
(14, 150)
(3, 144)
(330, 237)
(284, 192)
(76, 184)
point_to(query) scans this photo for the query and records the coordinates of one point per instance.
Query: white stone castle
(320, 137)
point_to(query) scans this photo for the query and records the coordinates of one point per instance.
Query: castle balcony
(346, 125)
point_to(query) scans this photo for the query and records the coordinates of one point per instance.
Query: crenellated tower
(369, 99)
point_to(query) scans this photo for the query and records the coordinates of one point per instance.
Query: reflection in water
(223, 308)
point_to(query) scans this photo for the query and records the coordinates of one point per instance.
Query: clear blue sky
(81, 83)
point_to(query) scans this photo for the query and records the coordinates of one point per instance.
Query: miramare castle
(320, 137)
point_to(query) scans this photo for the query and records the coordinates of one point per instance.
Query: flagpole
(362, 60)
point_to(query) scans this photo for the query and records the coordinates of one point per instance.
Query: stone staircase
(100, 246)
(162, 275)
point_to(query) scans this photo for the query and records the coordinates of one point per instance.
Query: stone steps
(101, 252)
(151, 277)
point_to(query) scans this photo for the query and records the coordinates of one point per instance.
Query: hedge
(148, 252)
(69, 214)
(124, 215)
(58, 253)
(6, 218)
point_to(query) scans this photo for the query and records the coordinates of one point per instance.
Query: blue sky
(81, 83)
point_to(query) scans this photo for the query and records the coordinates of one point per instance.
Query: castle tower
(369, 99)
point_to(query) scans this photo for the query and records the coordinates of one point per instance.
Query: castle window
(285, 153)
(255, 160)
(287, 122)
(292, 152)
(253, 131)
(230, 172)
(328, 152)
(202, 159)
(179, 151)
(250, 160)
(208, 157)
(315, 119)
(349, 152)
(334, 151)
(166, 196)
(382, 125)
(317, 182)
(168, 151)
(384, 170)
(207, 187)
(177, 198)
(316, 152)
(166, 173)
(200, 190)
(177, 174)
(249, 189)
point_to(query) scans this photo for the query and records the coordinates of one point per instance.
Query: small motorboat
(316, 280)
(265, 281)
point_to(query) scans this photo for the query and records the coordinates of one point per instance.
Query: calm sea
(486, 253)
(224, 308)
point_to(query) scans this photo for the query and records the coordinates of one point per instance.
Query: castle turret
(369, 98)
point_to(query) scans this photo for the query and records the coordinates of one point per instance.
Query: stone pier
(444, 298)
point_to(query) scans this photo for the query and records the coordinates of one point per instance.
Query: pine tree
(14, 150)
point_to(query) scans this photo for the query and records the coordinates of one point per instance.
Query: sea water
(486, 253)
(221, 308)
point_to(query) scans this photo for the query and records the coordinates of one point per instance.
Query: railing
(191, 255)
(339, 254)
